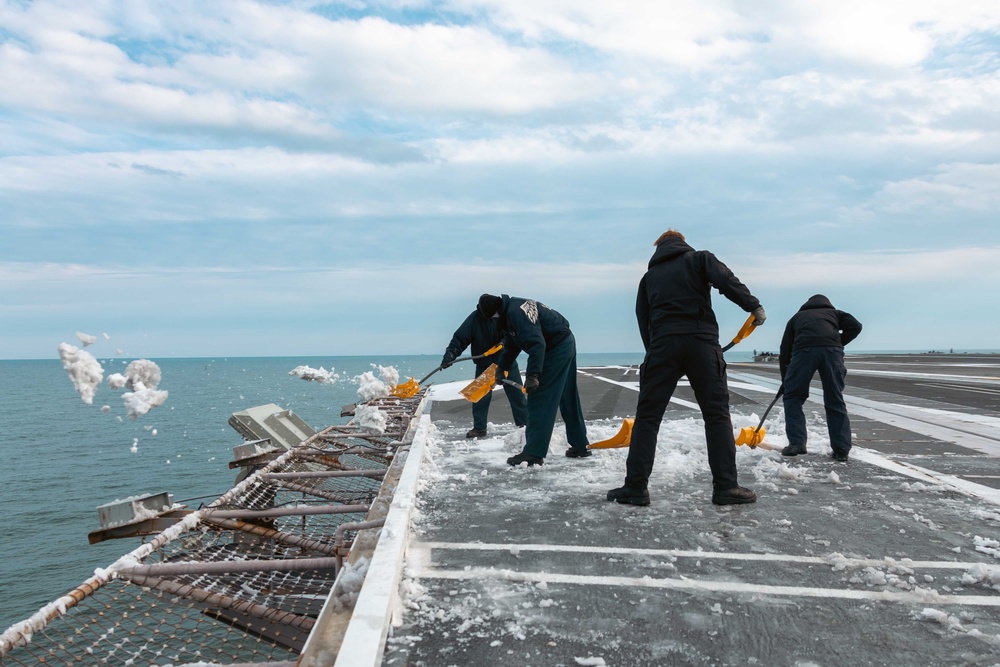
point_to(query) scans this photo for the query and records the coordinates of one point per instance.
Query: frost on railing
(239, 581)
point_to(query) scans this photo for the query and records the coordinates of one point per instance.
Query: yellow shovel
(744, 331)
(410, 388)
(752, 437)
(483, 384)
(621, 439)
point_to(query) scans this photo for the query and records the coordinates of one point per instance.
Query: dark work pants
(829, 361)
(518, 405)
(667, 360)
(557, 391)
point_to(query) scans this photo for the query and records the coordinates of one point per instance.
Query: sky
(277, 178)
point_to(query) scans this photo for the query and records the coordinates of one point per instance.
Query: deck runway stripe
(701, 555)
(993, 392)
(904, 597)
(634, 386)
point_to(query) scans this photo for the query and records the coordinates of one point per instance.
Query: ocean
(60, 458)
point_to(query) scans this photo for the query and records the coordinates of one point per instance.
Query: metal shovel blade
(621, 439)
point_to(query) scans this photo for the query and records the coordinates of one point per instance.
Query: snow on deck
(877, 562)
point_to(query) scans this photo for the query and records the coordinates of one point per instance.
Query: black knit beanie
(489, 305)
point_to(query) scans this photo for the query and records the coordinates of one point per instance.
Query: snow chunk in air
(83, 369)
(142, 376)
(320, 374)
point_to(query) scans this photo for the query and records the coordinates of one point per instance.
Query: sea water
(60, 458)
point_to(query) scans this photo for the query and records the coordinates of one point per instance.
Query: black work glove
(447, 360)
(759, 316)
(501, 375)
(531, 383)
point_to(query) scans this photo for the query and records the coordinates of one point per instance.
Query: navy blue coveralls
(482, 333)
(681, 335)
(814, 340)
(545, 336)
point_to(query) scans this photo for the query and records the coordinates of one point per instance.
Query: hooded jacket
(481, 333)
(816, 324)
(530, 326)
(675, 293)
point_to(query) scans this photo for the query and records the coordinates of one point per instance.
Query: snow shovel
(744, 331)
(752, 437)
(482, 385)
(410, 388)
(621, 439)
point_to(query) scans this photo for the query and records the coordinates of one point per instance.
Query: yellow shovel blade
(750, 436)
(407, 389)
(621, 439)
(482, 385)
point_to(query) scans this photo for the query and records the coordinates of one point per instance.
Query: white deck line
(424, 571)
(985, 493)
(833, 559)
(364, 640)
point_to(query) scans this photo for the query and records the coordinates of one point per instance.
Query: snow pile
(320, 374)
(83, 369)
(982, 574)
(370, 387)
(349, 582)
(370, 418)
(935, 616)
(987, 546)
(141, 377)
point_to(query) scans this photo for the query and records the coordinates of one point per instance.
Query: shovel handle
(493, 350)
(781, 390)
(744, 331)
(514, 384)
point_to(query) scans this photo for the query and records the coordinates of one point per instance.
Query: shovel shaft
(493, 350)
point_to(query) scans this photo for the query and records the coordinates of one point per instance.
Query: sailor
(550, 378)
(681, 337)
(814, 340)
(481, 332)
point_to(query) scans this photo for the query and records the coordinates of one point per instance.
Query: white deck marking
(978, 390)
(419, 567)
(634, 386)
(954, 482)
(700, 555)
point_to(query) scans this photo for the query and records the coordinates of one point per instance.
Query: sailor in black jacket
(814, 340)
(550, 377)
(481, 332)
(681, 336)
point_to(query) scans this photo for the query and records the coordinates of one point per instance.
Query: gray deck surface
(890, 559)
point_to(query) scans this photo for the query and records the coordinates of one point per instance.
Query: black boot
(525, 458)
(476, 433)
(575, 453)
(734, 496)
(629, 495)
(794, 450)
(843, 457)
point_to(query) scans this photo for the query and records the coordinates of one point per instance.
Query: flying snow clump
(83, 369)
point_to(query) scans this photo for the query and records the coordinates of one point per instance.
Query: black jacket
(530, 326)
(816, 324)
(675, 294)
(481, 333)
